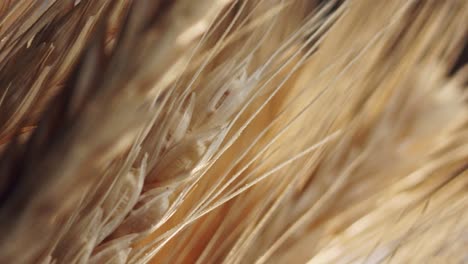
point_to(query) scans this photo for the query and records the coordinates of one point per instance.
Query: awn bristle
(233, 131)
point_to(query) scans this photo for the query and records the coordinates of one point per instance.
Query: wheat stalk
(233, 131)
